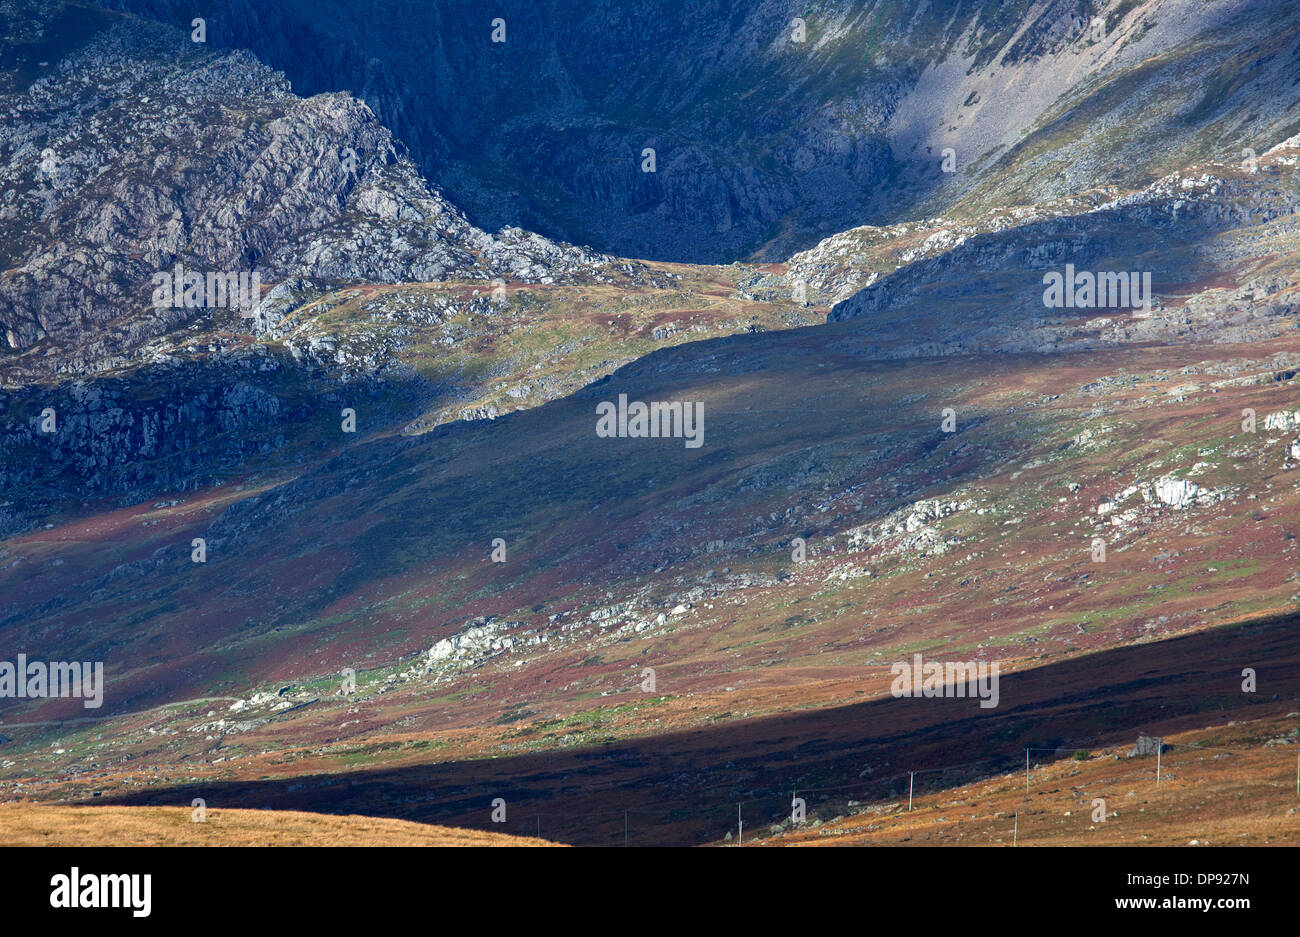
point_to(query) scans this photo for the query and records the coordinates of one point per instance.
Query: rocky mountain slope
(1216, 240)
(136, 149)
(234, 434)
(904, 449)
(769, 135)
(132, 152)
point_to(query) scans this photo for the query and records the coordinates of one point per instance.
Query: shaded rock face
(174, 425)
(765, 144)
(139, 149)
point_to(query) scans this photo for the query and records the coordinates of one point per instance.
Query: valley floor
(1229, 776)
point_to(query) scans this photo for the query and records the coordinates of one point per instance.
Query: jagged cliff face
(138, 150)
(765, 144)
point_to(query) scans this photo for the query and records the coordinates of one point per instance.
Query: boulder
(1148, 745)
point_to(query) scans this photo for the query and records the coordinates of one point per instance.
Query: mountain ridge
(766, 144)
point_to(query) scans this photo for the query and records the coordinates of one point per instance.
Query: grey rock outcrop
(140, 150)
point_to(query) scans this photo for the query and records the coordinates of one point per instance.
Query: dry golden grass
(1219, 787)
(32, 825)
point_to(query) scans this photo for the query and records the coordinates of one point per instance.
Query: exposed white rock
(1180, 493)
(914, 526)
(1283, 420)
(477, 640)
